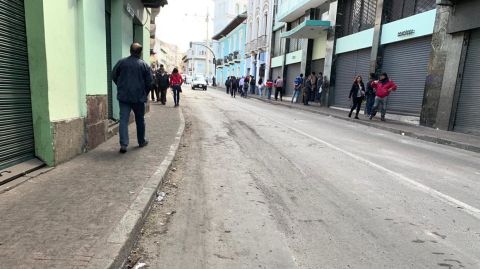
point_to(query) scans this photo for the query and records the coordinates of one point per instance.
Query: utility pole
(207, 53)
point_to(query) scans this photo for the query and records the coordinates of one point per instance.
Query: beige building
(169, 55)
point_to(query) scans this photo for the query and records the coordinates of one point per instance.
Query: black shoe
(350, 114)
(163, 103)
(382, 118)
(356, 117)
(144, 144)
(371, 116)
(123, 149)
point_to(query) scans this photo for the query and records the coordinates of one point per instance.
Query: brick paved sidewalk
(64, 218)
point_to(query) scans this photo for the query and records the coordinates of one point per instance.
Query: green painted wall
(356, 41)
(92, 54)
(277, 61)
(65, 98)
(293, 57)
(319, 47)
(422, 24)
(43, 130)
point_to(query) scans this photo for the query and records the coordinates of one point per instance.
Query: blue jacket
(133, 79)
(298, 82)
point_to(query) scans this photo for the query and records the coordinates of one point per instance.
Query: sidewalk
(86, 213)
(453, 139)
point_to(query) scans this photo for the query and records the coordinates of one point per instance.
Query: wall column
(330, 59)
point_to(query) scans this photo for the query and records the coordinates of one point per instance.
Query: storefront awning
(308, 29)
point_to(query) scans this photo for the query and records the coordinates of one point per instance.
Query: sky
(173, 26)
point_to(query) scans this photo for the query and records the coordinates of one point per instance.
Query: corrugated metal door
(318, 65)
(293, 71)
(108, 27)
(16, 127)
(406, 63)
(276, 72)
(349, 65)
(467, 118)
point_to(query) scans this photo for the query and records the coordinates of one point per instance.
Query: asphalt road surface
(264, 186)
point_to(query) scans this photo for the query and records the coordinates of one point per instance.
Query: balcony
(225, 60)
(219, 62)
(262, 43)
(247, 49)
(230, 58)
(253, 46)
(236, 56)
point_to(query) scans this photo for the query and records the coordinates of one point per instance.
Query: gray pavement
(83, 213)
(262, 186)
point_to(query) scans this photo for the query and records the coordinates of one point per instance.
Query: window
(358, 15)
(399, 9)
(234, 43)
(237, 9)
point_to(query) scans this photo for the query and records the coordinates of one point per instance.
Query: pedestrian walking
(319, 88)
(308, 90)
(245, 87)
(163, 82)
(297, 86)
(176, 82)
(384, 87)
(214, 81)
(233, 86)
(314, 86)
(279, 88)
(154, 90)
(269, 87)
(227, 85)
(357, 92)
(260, 87)
(134, 80)
(370, 93)
(252, 84)
(240, 86)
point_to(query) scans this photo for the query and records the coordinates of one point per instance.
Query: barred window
(278, 44)
(296, 44)
(399, 9)
(358, 15)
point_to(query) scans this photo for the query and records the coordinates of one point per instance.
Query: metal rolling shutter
(349, 65)
(108, 27)
(467, 118)
(293, 71)
(276, 72)
(406, 63)
(16, 127)
(318, 65)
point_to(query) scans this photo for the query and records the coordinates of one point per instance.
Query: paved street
(258, 185)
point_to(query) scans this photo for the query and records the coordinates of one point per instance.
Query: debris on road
(174, 169)
(160, 196)
(131, 192)
(140, 265)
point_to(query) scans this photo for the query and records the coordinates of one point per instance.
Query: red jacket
(176, 79)
(382, 89)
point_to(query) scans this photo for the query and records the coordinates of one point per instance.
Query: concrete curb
(428, 138)
(122, 240)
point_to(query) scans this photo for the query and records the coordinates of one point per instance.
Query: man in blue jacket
(134, 81)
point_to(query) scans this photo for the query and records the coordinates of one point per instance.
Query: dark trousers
(357, 103)
(252, 89)
(139, 111)
(154, 91)
(370, 102)
(228, 89)
(277, 91)
(307, 97)
(233, 91)
(176, 94)
(163, 94)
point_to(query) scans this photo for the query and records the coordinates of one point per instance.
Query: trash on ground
(173, 212)
(227, 232)
(174, 169)
(188, 132)
(140, 265)
(160, 197)
(131, 192)
(403, 134)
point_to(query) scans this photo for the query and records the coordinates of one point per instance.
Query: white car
(199, 82)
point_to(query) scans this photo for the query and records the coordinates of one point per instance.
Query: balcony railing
(219, 61)
(262, 42)
(230, 58)
(247, 48)
(225, 60)
(253, 45)
(236, 56)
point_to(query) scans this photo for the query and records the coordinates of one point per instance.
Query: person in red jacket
(384, 87)
(176, 81)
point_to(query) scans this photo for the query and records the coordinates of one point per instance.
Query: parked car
(199, 82)
(189, 80)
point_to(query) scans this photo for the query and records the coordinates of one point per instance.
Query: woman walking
(176, 82)
(357, 92)
(154, 84)
(260, 86)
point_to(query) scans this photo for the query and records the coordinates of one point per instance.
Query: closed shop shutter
(318, 65)
(293, 71)
(406, 63)
(467, 118)
(108, 27)
(16, 127)
(349, 65)
(276, 72)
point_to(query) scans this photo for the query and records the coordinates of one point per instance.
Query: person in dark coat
(227, 85)
(370, 93)
(357, 93)
(163, 82)
(252, 84)
(134, 81)
(308, 91)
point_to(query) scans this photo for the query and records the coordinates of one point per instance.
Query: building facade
(231, 50)
(226, 11)
(429, 48)
(195, 61)
(57, 99)
(258, 36)
(169, 55)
